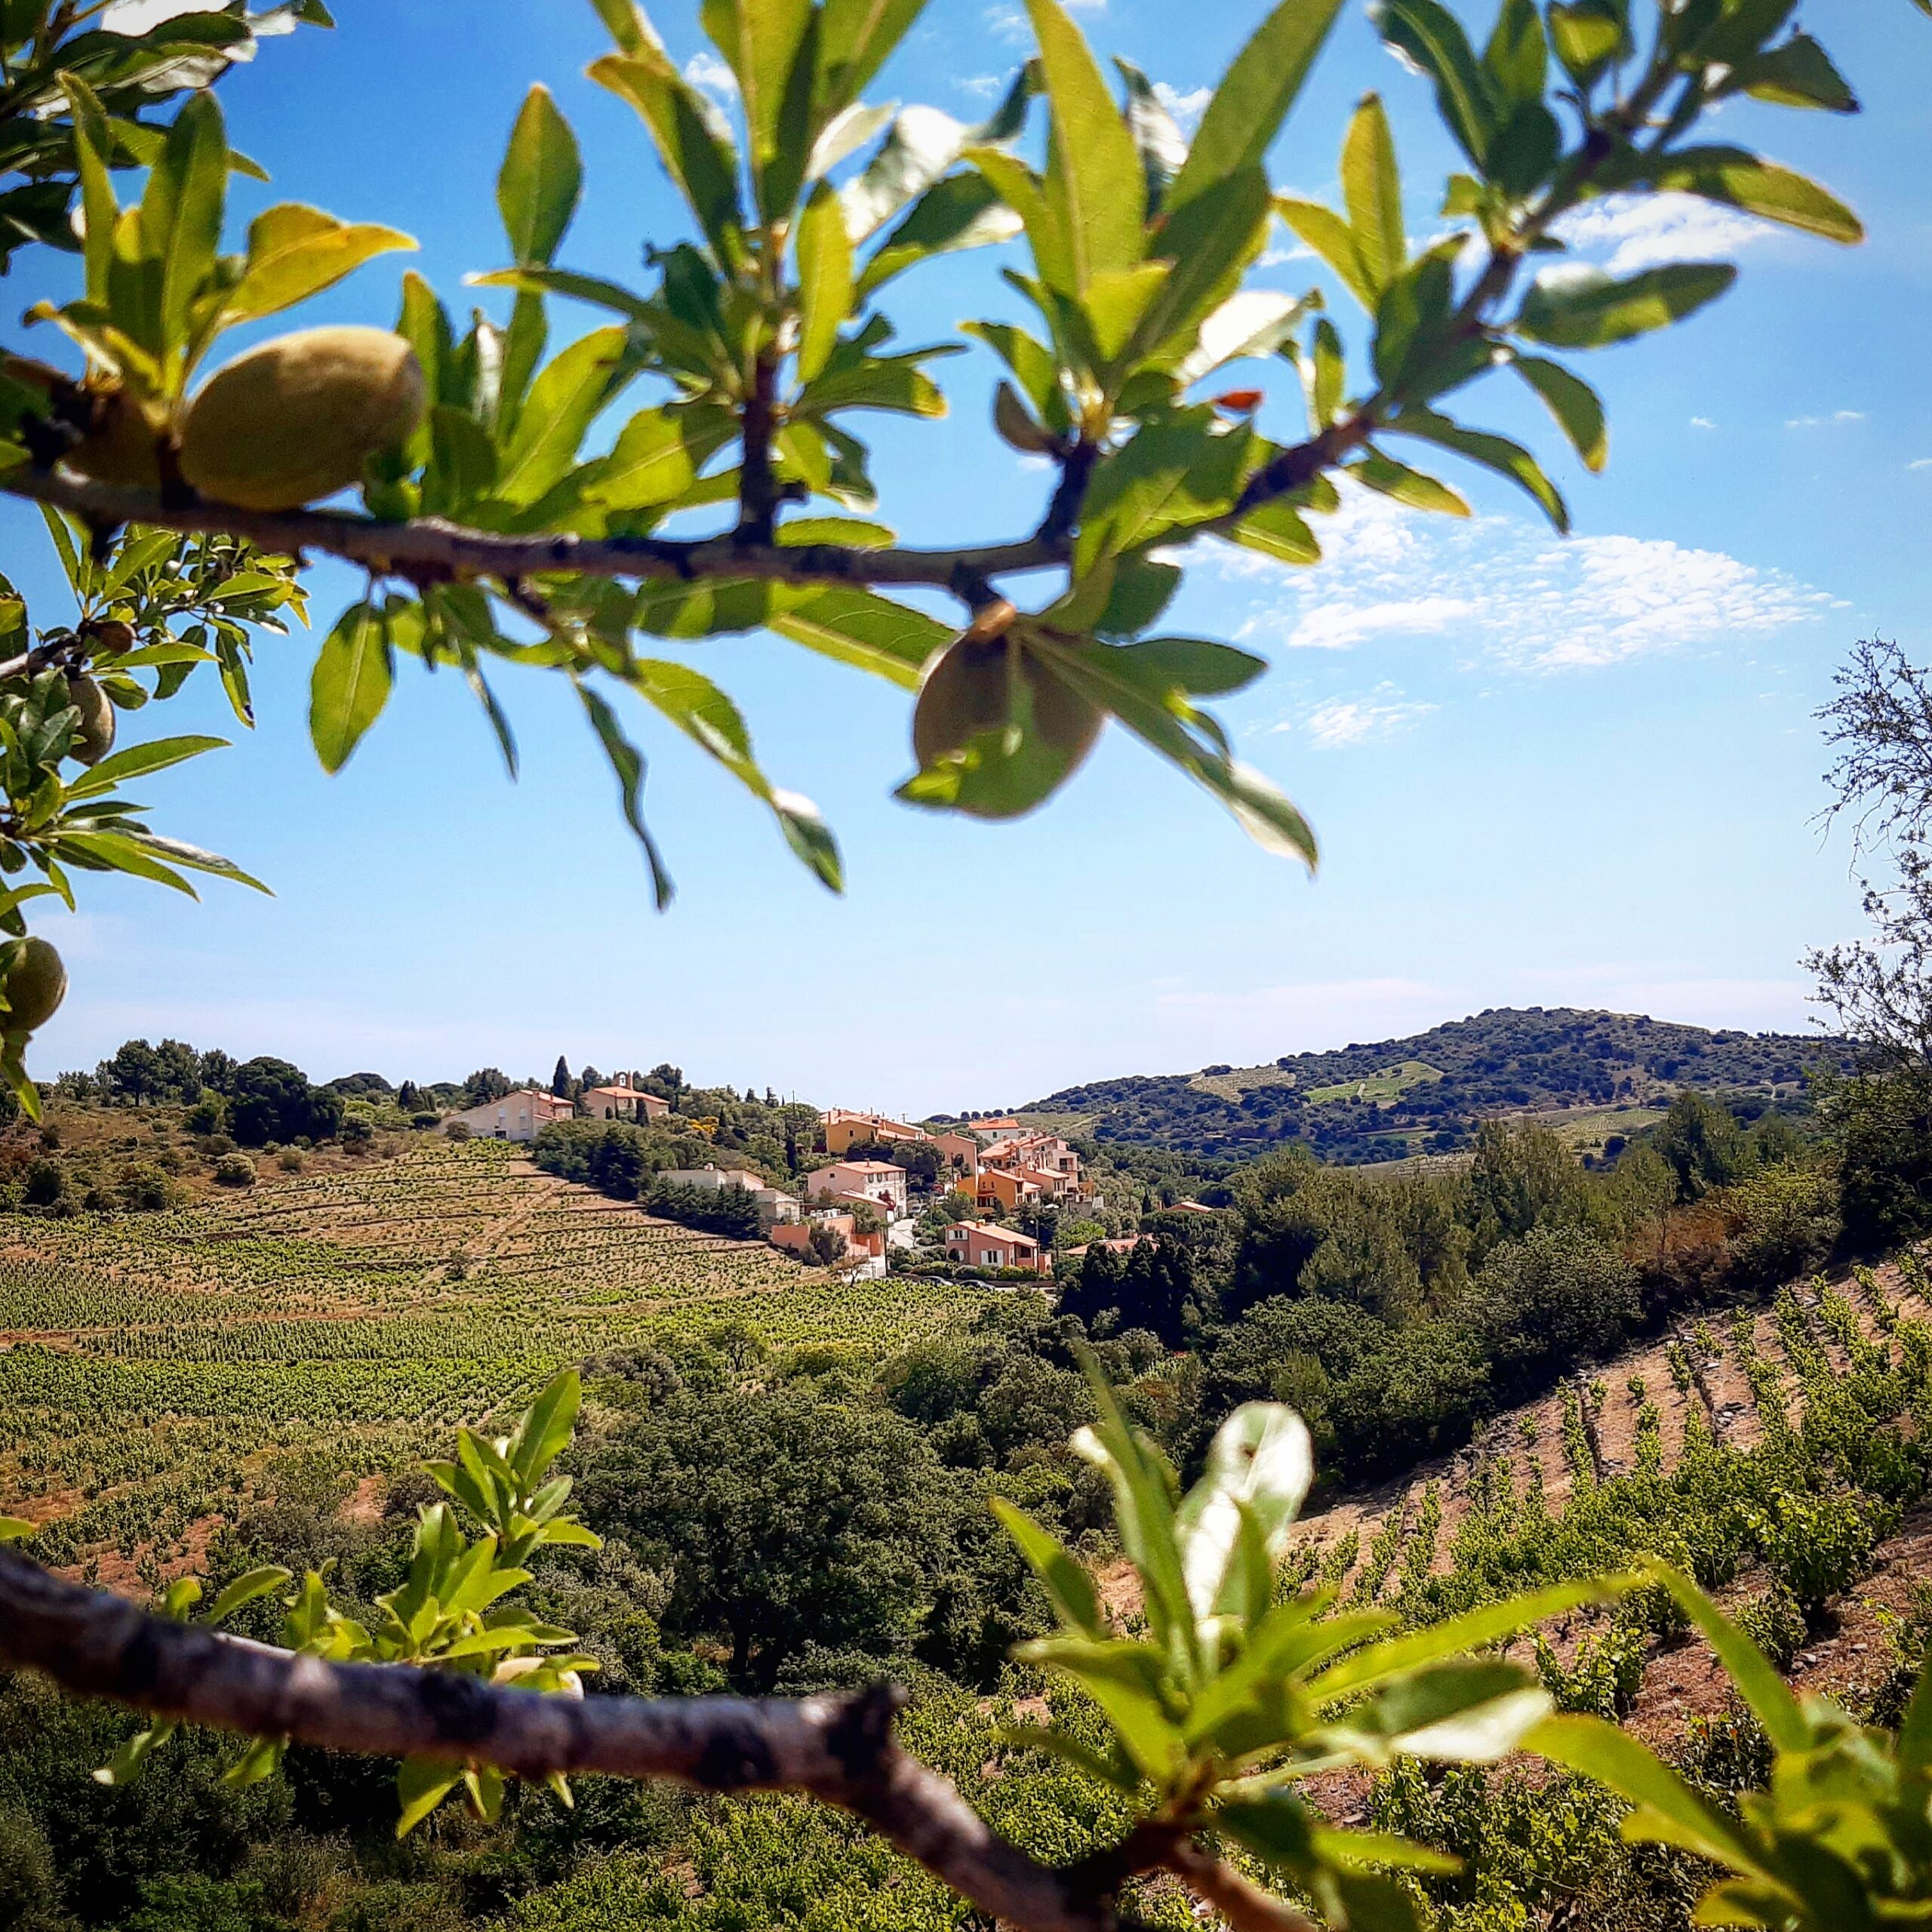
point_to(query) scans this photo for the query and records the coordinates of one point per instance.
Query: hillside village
(873, 1184)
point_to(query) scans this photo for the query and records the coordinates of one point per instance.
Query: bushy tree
(273, 1100)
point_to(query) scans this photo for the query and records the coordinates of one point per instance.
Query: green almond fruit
(36, 983)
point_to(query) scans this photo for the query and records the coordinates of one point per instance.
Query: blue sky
(1544, 771)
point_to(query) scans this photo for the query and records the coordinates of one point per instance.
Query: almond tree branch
(840, 1750)
(1243, 1904)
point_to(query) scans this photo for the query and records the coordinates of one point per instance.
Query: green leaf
(137, 761)
(194, 856)
(855, 39)
(962, 211)
(1125, 1679)
(825, 280)
(711, 721)
(1799, 73)
(1497, 453)
(658, 454)
(1053, 1743)
(1384, 474)
(544, 1432)
(1915, 1732)
(245, 1589)
(1517, 59)
(421, 1785)
(1739, 180)
(1576, 407)
(350, 683)
(762, 41)
(593, 289)
(692, 141)
(1588, 36)
(1464, 1710)
(295, 252)
(856, 627)
(116, 852)
(921, 145)
(1199, 667)
(564, 401)
(1260, 1459)
(15, 1529)
(541, 180)
(1276, 530)
(627, 762)
(1382, 1663)
(1209, 243)
(1094, 182)
(1254, 97)
(1599, 1750)
(1584, 308)
(1063, 1576)
(1764, 1690)
(1372, 189)
(1331, 237)
(181, 213)
(1432, 39)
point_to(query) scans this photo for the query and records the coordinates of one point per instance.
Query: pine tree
(561, 1085)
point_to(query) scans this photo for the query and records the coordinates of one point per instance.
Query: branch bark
(840, 1750)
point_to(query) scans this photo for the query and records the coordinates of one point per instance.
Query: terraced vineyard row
(156, 1367)
(1785, 1442)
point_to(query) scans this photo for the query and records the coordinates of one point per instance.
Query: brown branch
(840, 1750)
(1243, 1904)
(431, 547)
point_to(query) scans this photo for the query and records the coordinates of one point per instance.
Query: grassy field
(156, 1369)
(1383, 1086)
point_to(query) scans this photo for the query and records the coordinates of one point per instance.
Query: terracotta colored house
(796, 1236)
(996, 1187)
(623, 1102)
(974, 1244)
(845, 1128)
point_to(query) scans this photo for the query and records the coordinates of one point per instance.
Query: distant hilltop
(1604, 1073)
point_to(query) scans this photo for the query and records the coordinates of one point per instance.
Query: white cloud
(1009, 24)
(1340, 723)
(704, 70)
(1824, 422)
(1632, 232)
(1701, 422)
(982, 86)
(1920, 463)
(1187, 108)
(1509, 591)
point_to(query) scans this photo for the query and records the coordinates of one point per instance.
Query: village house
(844, 1129)
(1042, 1161)
(878, 1183)
(794, 1237)
(974, 1244)
(622, 1101)
(997, 1190)
(518, 1116)
(960, 1151)
(774, 1205)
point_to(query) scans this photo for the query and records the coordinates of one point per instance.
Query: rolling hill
(1600, 1073)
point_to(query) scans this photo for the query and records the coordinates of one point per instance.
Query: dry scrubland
(157, 1370)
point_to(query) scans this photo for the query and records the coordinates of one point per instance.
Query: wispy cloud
(1920, 463)
(981, 86)
(1631, 233)
(1339, 724)
(1837, 416)
(1510, 593)
(1701, 422)
(1187, 108)
(704, 70)
(1009, 24)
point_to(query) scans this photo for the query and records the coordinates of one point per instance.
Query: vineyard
(153, 1368)
(1778, 1453)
